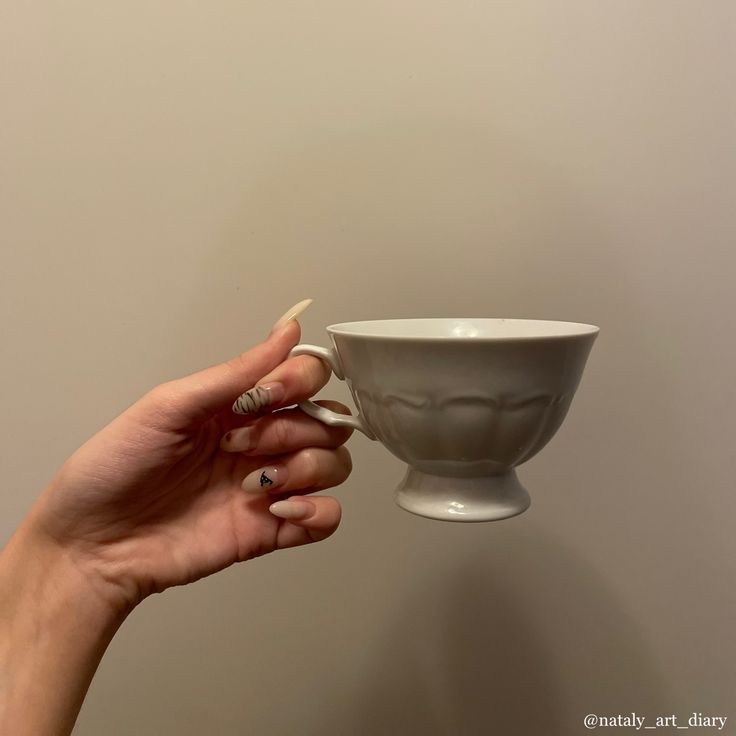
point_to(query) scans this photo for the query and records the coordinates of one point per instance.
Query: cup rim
(569, 329)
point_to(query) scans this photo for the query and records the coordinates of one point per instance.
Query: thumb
(201, 395)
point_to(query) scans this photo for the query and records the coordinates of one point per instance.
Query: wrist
(33, 566)
(54, 628)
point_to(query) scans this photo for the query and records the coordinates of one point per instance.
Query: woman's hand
(155, 498)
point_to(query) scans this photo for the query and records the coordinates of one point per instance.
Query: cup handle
(320, 412)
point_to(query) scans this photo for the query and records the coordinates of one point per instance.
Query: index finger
(292, 381)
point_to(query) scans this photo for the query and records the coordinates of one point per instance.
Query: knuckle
(239, 364)
(311, 466)
(162, 390)
(345, 461)
(164, 397)
(301, 374)
(311, 372)
(158, 405)
(284, 432)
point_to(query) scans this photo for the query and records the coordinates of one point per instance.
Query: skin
(149, 502)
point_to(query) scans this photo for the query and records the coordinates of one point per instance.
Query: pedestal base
(485, 498)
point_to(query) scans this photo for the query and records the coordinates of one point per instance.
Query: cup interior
(449, 328)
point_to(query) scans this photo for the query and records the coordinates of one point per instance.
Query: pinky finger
(306, 520)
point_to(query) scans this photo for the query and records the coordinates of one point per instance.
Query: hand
(155, 499)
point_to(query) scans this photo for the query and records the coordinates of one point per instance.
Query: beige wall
(173, 175)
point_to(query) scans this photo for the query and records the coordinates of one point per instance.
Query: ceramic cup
(461, 401)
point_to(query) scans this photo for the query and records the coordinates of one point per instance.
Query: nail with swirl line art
(258, 398)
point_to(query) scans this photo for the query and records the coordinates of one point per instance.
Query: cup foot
(484, 498)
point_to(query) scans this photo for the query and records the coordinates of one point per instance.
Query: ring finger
(305, 471)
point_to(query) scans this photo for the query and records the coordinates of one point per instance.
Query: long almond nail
(291, 313)
(292, 509)
(265, 479)
(258, 398)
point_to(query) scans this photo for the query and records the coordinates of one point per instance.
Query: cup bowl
(461, 401)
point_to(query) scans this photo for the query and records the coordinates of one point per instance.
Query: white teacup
(461, 401)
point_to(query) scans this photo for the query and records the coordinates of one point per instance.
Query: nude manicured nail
(292, 509)
(291, 313)
(259, 397)
(264, 479)
(238, 440)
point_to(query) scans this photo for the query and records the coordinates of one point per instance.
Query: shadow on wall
(470, 650)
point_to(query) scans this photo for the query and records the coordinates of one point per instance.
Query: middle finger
(285, 431)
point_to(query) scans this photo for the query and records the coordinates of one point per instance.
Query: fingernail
(238, 440)
(292, 509)
(292, 313)
(264, 479)
(259, 397)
